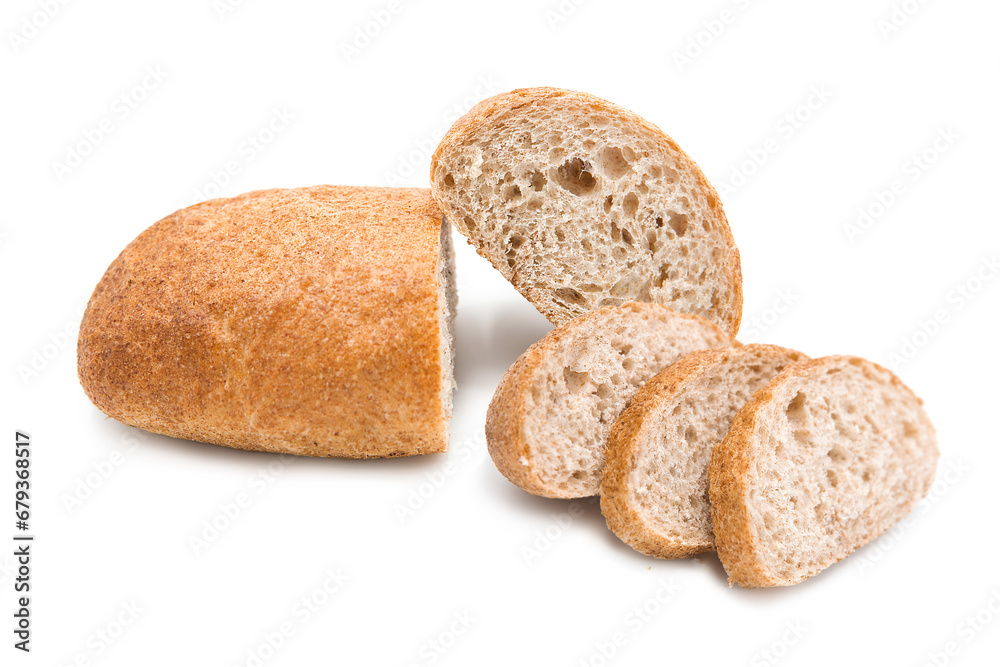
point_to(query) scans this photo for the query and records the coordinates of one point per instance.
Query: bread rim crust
(483, 112)
(729, 473)
(618, 503)
(505, 418)
(129, 387)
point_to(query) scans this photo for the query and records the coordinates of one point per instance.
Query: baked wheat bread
(821, 461)
(654, 492)
(582, 204)
(548, 423)
(312, 321)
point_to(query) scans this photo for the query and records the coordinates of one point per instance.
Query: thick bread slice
(654, 493)
(582, 204)
(314, 321)
(821, 461)
(548, 423)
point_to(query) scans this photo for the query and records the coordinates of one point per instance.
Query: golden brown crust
(303, 321)
(481, 114)
(729, 477)
(508, 411)
(618, 502)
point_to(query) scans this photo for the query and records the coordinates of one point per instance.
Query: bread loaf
(312, 321)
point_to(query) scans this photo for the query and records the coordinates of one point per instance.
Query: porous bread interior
(669, 481)
(447, 306)
(589, 377)
(581, 207)
(838, 459)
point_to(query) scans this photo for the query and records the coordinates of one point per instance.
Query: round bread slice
(822, 460)
(654, 493)
(582, 204)
(548, 423)
(313, 321)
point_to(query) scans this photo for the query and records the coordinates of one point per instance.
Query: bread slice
(548, 423)
(821, 461)
(654, 492)
(582, 204)
(312, 321)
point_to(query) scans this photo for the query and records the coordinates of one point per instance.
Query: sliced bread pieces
(583, 204)
(654, 493)
(548, 423)
(821, 461)
(311, 321)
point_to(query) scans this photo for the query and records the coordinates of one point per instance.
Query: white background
(371, 118)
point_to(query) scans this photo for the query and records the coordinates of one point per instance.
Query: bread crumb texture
(582, 204)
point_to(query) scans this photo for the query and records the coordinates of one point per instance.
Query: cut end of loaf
(581, 204)
(447, 308)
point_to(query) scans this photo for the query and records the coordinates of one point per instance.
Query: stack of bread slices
(261, 322)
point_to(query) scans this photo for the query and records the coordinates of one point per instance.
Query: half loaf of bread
(583, 204)
(312, 321)
(654, 493)
(821, 461)
(548, 423)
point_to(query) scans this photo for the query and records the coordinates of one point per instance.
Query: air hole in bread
(470, 224)
(570, 295)
(449, 180)
(512, 193)
(516, 241)
(538, 181)
(796, 410)
(575, 177)
(679, 223)
(652, 240)
(662, 276)
(612, 163)
(616, 232)
(838, 454)
(608, 203)
(575, 381)
(630, 204)
(560, 234)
